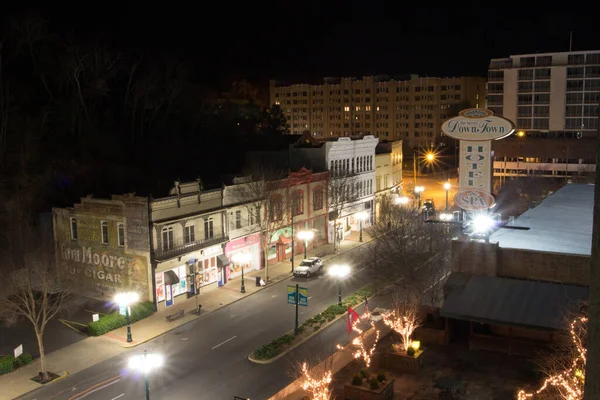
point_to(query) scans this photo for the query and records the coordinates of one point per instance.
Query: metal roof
(562, 223)
(491, 299)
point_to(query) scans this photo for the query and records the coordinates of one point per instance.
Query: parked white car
(309, 266)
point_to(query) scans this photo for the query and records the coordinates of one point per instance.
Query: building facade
(189, 234)
(345, 158)
(553, 100)
(388, 171)
(410, 108)
(103, 247)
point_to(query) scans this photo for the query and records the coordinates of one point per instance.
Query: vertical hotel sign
(475, 128)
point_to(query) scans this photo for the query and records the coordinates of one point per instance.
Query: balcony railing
(180, 248)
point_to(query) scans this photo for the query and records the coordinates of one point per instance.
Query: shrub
(381, 376)
(410, 351)
(23, 360)
(113, 321)
(363, 372)
(7, 364)
(374, 383)
(357, 380)
(272, 349)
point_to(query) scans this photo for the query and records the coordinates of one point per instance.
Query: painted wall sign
(475, 165)
(477, 124)
(474, 200)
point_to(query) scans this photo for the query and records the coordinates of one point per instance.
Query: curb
(61, 377)
(295, 345)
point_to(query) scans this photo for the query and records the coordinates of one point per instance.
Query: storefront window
(177, 289)
(207, 271)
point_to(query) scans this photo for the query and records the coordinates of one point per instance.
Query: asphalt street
(207, 358)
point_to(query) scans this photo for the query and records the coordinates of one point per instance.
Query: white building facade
(342, 157)
(547, 96)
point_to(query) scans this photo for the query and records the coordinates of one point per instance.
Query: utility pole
(592, 368)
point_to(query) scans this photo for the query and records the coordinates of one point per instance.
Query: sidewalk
(93, 350)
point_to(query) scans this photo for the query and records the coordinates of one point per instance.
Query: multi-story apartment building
(553, 100)
(410, 109)
(388, 171)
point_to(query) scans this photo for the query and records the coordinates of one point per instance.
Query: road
(207, 358)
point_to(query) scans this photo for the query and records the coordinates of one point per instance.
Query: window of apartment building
(541, 111)
(543, 61)
(527, 61)
(385, 182)
(542, 73)
(238, 219)
(541, 123)
(591, 98)
(167, 238)
(593, 58)
(576, 59)
(254, 215)
(318, 199)
(573, 111)
(121, 234)
(495, 87)
(575, 85)
(575, 98)
(209, 231)
(378, 183)
(456, 87)
(523, 123)
(523, 99)
(74, 228)
(357, 108)
(525, 74)
(367, 108)
(590, 111)
(347, 108)
(592, 72)
(276, 208)
(495, 76)
(592, 84)
(575, 72)
(189, 234)
(417, 88)
(543, 86)
(104, 232)
(541, 98)
(430, 88)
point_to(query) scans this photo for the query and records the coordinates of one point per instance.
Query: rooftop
(562, 223)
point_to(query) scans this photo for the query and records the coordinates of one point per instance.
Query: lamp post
(339, 272)
(447, 186)
(418, 191)
(242, 259)
(126, 299)
(146, 363)
(361, 216)
(305, 236)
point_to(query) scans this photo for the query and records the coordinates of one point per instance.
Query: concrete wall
(88, 266)
(491, 260)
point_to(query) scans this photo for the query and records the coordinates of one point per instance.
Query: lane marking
(119, 396)
(96, 387)
(221, 344)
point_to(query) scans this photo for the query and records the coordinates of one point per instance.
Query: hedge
(115, 320)
(273, 349)
(9, 363)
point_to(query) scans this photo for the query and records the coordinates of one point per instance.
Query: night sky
(304, 41)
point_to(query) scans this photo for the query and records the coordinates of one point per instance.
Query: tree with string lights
(362, 351)
(404, 319)
(317, 384)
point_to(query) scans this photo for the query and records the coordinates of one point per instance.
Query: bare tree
(341, 192)
(404, 319)
(266, 198)
(32, 291)
(315, 377)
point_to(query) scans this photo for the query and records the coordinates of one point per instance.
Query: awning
(222, 261)
(490, 299)
(171, 278)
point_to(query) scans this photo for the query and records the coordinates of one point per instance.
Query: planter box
(430, 336)
(402, 362)
(385, 392)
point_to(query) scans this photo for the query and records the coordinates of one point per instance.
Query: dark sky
(303, 40)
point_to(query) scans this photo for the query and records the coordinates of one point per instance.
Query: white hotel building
(553, 100)
(340, 156)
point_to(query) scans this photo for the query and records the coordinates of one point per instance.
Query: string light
(569, 383)
(362, 351)
(317, 388)
(404, 323)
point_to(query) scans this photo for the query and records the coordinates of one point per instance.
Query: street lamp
(126, 299)
(146, 363)
(306, 236)
(361, 216)
(418, 191)
(242, 259)
(402, 200)
(447, 186)
(339, 272)
(430, 157)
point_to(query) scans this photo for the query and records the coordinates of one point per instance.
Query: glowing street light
(521, 134)
(418, 191)
(242, 259)
(306, 236)
(402, 200)
(126, 299)
(339, 272)
(361, 216)
(430, 157)
(146, 363)
(447, 186)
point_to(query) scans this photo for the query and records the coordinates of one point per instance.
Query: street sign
(18, 350)
(95, 317)
(122, 310)
(302, 296)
